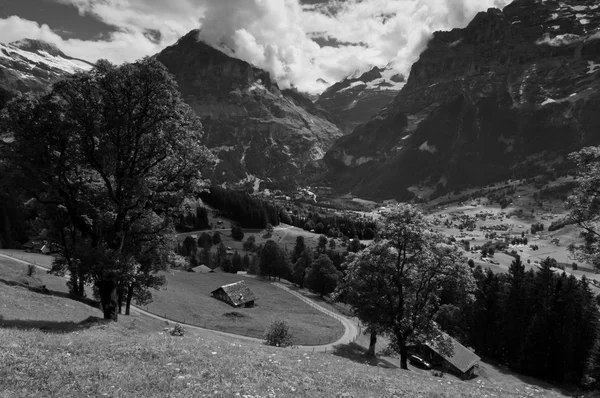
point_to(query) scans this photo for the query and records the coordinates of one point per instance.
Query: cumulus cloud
(559, 40)
(276, 35)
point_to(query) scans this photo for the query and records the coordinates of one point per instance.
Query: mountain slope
(506, 96)
(359, 97)
(253, 127)
(32, 66)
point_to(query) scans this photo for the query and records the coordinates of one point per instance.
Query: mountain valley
(507, 96)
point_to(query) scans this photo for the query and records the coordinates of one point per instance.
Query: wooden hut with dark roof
(237, 294)
(461, 363)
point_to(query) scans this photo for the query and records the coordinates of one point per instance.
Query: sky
(299, 42)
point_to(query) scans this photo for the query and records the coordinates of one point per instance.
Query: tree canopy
(110, 154)
(395, 284)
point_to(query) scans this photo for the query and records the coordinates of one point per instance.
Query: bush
(279, 334)
(178, 330)
(237, 233)
(437, 373)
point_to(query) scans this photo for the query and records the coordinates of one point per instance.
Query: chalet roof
(238, 292)
(462, 358)
(203, 269)
(217, 269)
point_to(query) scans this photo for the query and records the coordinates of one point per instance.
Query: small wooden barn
(461, 363)
(237, 294)
(203, 269)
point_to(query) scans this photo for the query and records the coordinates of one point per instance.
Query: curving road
(350, 328)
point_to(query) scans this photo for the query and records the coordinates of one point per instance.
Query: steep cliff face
(359, 97)
(32, 66)
(253, 127)
(515, 89)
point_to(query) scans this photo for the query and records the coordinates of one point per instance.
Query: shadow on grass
(51, 326)
(563, 388)
(356, 353)
(41, 289)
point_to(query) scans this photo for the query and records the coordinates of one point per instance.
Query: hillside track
(350, 329)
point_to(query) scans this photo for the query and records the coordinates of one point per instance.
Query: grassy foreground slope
(112, 360)
(52, 346)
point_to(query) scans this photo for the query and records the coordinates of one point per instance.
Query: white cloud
(559, 40)
(272, 34)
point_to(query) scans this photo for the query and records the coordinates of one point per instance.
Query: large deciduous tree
(322, 276)
(365, 286)
(401, 278)
(112, 152)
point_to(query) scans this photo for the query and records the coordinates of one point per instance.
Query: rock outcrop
(32, 66)
(507, 96)
(359, 97)
(255, 129)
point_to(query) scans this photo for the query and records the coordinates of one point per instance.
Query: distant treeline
(250, 212)
(194, 220)
(560, 191)
(542, 323)
(336, 225)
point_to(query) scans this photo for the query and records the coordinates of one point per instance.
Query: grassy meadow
(186, 297)
(116, 360)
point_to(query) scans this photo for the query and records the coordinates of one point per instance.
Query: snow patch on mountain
(426, 147)
(33, 59)
(592, 67)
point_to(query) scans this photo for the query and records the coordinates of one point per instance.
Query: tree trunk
(81, 284)
(108, 298)
(75, 284)
(120, 297)
(372, 342)
(403, 354)
(129, 297)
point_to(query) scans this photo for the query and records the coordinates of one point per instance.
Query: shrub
(177, 330)
(437, 373)
(237, 233)
(279, 334)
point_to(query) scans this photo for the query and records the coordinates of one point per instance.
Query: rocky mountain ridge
(257, 131)
(32, 66)
(360, 96)
(508, 95)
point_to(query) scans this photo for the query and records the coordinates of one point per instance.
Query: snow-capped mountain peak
(362, 94)
(32, 66)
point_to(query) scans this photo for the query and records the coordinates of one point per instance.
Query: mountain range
(32, 66)
(257, 130)
(360, 96)
(507, 96)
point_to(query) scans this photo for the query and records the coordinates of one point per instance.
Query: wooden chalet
(237, 294)
(203, 269)
(461, 363)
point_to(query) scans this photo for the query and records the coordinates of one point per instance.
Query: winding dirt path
(350, 329)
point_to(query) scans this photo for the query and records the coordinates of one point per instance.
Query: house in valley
(237, 294)
(461, 362)
(203, 269)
